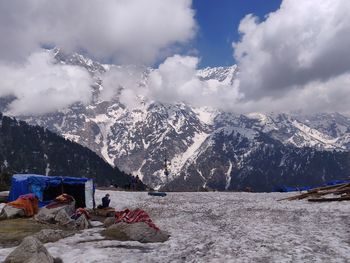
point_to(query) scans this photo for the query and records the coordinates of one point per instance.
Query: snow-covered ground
(221, 227)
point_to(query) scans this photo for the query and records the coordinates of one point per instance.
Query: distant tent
(306, 188)
(285, 189)
(46, 188)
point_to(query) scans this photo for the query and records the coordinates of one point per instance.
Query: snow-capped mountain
(205, 147)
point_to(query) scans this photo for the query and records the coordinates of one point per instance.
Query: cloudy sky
(292, 54)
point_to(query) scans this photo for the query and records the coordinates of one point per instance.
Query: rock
(57, 260)
(63, 219)
(109, 221)
(48, 215)
(9, 212)
(31, 250)
(105, 212)
(58, 215)
(51, 235)
(136, 232)
(82, 223)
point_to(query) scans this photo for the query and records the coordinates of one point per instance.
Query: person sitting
(105, 201)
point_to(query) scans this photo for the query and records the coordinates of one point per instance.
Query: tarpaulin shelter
(47, 188)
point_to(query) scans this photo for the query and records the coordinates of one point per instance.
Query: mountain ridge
(137, 140)
(33, 149)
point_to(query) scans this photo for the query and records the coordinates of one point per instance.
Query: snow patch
(47, 169)
(228, 175)
(71, 137)
(206, 115)
(180, 159)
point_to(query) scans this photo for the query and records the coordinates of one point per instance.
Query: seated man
(105, 202)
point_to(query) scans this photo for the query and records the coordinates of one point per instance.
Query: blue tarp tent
(46, 188)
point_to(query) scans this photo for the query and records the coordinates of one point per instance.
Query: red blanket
(134, 216)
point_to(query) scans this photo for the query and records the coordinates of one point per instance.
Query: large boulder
(82, 223)
(9, 212)
(31, 250)
(63, 219)
(135, 232)
(47, 215)
(52, 235)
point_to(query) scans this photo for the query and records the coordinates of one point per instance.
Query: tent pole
(61, 186)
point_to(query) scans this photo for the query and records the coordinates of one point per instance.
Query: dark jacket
(105, 201)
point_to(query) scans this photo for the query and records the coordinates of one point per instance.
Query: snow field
(220, 227)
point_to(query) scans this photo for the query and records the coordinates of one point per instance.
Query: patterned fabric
(134, 216)
(29, 203)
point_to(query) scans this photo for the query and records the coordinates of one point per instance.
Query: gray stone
(136, 232)
(51, 235)
(9, 212)
(31, 250)
(82, 223)
(48, 215)
(109, 221)
(61, 216)
(63, 219)
(58, 215)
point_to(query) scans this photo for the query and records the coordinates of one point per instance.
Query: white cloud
(123, 82)
(316, 96)
(40, 86)
(297, 58)
(175, 80)
(124, 31)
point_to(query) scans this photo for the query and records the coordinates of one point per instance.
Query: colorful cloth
(134, 216)
(29, 203)
(60, 200)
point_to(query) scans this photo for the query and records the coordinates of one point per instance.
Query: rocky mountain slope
(204, 146)
(33, 149)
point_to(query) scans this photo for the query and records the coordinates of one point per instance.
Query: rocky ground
(220, 227)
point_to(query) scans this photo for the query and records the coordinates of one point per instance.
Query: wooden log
(328, 187)
(347, 198)
(320, 191)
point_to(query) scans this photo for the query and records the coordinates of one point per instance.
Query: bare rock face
(31, 250)
(135, 232)
(9, 212)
